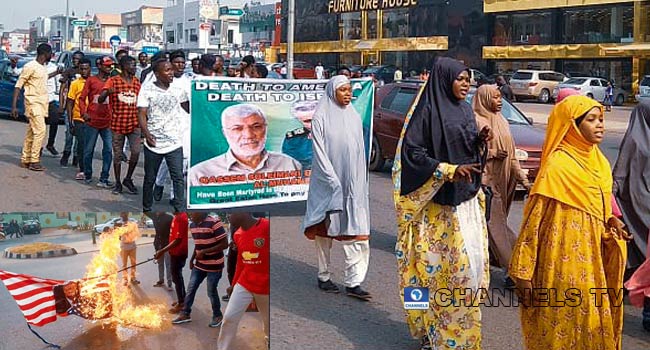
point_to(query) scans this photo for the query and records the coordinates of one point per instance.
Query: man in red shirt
(251, 280)
(177, 248)
(97, 118)
(123, 91)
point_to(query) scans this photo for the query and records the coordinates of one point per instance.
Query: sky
(18, 16)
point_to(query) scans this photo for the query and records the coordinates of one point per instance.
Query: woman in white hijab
(337, 205)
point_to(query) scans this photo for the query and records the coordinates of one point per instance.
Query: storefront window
(600, 25)
(313, 23)
(417, 21)
(410, 62)
(372, 25)
(523, 29)
(395, 23)
(508, 67)
(619, 70)
(350, 26)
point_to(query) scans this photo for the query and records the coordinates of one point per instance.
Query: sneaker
(128, 183)
(53, 151)
(88, 181)
(105, 184)
(158, 192)
(358, 293)
(328, 286)
(225, 297)
(134, 281)
(117, 189)
(159, 284)
(24, 165)
(216, 322)
(80, 176)
(169, 288)
(182, 318)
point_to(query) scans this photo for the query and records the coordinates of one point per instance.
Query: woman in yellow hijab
(571, 248)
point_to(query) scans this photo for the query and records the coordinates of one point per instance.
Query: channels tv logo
(416, 298)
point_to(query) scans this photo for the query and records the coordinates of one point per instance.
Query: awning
(630, 47)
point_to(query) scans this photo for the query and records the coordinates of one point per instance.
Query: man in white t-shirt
(320, 70)
(161, 111)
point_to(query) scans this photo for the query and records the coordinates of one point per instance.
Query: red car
(393, 101)
(303, 70)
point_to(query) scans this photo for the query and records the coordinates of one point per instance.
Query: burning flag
(95, 297)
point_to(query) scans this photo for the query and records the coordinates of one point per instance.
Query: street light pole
(290, 31)
(67, 22)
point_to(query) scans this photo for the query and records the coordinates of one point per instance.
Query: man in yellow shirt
(75, 120)
(34, 79)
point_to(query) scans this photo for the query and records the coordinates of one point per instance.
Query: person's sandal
(36, 167)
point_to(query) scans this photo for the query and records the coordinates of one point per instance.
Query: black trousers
(53, 117)
(176, 266)
(152, 161)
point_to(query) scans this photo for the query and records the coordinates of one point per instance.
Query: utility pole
(290, 31)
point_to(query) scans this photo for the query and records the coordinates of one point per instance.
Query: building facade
(408, 33)
(39, 32)
(257, 26)
(16, 41)
(144, 25)
(57, 30)
(195, 28)
(106, 25)
(605, 38)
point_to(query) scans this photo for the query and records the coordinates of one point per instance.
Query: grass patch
(34, 248)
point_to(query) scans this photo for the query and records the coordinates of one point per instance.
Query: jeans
(90, 135)
(69, 138)
(53, 121)
(646, 309)
(196, 278)
(163, 263)
(176, 266)
(174, 160)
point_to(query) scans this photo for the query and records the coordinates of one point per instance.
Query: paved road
(76, 333)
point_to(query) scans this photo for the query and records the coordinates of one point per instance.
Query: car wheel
(377, 161)
(545, 96)
(620, 100)
(590, 95)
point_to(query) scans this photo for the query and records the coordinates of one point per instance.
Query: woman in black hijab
(442, 243)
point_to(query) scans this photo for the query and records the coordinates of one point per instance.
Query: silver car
(591, 87)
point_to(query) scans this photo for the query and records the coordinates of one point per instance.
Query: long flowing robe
(564, 247)
(502, 175)
(632, 176)
(338, 201)
(440, 247)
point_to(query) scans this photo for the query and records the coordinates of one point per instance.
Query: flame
(115, 300)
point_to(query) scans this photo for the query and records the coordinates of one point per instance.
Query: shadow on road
(294, 290)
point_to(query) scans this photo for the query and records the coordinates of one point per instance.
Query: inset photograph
(107, 280)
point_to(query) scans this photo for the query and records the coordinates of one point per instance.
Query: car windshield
(646, 81)
(512, 114)
(575, 81)
(371, 70)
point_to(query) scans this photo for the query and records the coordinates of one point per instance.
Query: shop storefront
(406, 33)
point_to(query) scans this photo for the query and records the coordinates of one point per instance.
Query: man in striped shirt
(210, 240)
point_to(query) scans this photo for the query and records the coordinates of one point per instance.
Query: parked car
(114, 222)
(535, 84)
(393, 101)
(65, 60)
(477, 78)
(385, 74)
(32, 226)
(7, 85)
(591, 87)
(303, 70)
(3, 55)
(492, 78)
(644, 90)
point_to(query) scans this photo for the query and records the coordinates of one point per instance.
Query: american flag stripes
(33, 295)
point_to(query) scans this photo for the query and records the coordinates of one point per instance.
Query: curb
(44, 254)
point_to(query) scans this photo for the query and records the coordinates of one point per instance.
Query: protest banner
(250, 142)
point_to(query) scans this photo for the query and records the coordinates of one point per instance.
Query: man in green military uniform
(297, 142)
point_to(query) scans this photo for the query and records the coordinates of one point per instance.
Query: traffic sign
(235, 12)
(150, 50)
(223, 10)
(205, 26)
(82, 23)
(115, 41)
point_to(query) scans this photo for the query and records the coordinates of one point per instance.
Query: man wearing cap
(297, 143)
(97, 118)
